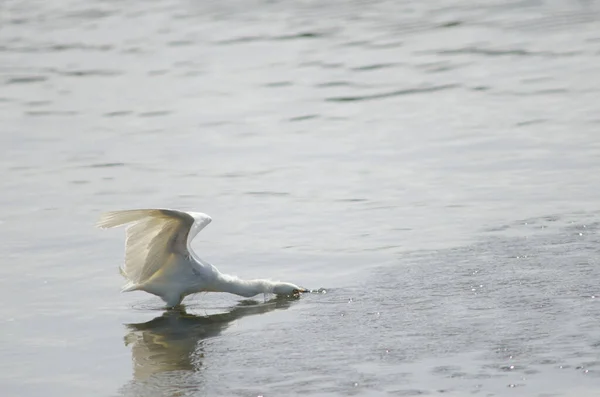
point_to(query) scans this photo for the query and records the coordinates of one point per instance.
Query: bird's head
(288, 289)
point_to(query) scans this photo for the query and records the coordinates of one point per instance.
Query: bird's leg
(173, 301)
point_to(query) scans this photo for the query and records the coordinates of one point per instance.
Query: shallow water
(433, 166)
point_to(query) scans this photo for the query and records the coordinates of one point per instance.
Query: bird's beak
(299, 291)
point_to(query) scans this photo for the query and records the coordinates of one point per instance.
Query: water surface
(433, 166)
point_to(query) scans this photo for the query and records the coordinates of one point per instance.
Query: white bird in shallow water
(159, 258)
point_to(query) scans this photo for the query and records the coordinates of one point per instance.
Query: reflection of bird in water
(172, 342)
(159, 258)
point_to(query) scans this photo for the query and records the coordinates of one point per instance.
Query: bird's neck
(246, 288)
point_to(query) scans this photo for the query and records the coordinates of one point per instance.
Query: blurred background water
(434, 166)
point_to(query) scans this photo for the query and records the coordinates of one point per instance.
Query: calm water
(435, 167)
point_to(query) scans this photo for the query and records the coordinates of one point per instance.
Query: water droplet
(355, 384)
(581, 234)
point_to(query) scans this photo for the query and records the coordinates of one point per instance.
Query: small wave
(390, 94)
(26, 79)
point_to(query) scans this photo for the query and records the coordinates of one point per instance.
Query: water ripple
(391, 94)
(57, 48)
(507, 52)
(25, 79)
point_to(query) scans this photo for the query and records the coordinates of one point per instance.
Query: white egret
(159, 258)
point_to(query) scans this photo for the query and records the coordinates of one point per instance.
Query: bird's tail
(130, 285)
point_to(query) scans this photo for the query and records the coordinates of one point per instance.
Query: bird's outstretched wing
(153, 237)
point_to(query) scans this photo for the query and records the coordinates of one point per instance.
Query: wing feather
(153, 237)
